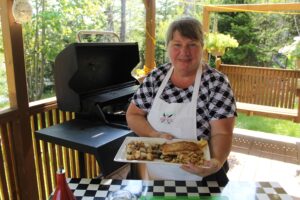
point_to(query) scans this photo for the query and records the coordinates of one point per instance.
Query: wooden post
(298, 95)
(205, 27)
(150, 36)
(22, 147)
(218, 63)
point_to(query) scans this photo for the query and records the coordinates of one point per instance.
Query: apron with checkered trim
(178, 119)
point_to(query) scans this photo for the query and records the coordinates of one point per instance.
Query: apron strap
(163, 84)
(197, 84)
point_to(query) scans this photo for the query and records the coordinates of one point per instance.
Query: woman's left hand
(209, 167)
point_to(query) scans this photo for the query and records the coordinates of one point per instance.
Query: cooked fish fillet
(182, 146)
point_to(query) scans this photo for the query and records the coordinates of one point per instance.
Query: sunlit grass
(269, 125)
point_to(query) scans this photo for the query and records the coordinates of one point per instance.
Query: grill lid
(85, 69)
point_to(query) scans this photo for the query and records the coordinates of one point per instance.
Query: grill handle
(109, 35)
(102, 115)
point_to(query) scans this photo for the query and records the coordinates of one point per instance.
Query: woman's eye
(177, 45)
(193, 45)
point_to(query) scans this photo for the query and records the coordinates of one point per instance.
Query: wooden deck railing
(48, 157)
(265, 91)
(8, 186)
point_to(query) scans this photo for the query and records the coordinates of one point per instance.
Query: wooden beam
(150, 36)
(22, 146)
(253, 7)
(6, 32)
(205, 28)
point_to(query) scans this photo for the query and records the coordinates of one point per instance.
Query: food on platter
(170, 148)
(202, 143)
(184, 152)
(181, 152)
(139, 150)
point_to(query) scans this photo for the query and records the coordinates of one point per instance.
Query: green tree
(240, 26)
(3, 80)
(273, 32)
(123, 21)
(52, 28)
(260, 36)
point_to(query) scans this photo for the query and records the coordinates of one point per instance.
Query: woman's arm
(220, 146)
(137, 122)
(221, 139)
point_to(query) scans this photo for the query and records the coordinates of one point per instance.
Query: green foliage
(296, 52)
(240, 26)
(53, 27)
(273, 31)
(160, 50)
(217, 43)
(3, 81)
(1, 43)
(260, 37)
(269, 125)
(3, 84)
(55, 24)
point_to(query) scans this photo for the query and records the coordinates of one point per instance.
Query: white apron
(178, 119)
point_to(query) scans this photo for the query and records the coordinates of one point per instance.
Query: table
(94, 137)
(99, 189)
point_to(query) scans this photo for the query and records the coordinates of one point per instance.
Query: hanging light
(22, 11)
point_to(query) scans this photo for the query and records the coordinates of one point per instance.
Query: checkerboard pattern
(99, 189)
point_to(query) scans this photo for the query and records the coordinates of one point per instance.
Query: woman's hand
(137, 121)
(162, 135)
(209, 167)
(166, 136)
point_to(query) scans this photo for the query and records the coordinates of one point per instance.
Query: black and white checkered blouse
(215, 100)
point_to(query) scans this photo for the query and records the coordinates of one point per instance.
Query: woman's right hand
(137, 122)
(167, 136)
(210, 166)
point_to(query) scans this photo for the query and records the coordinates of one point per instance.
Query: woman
(185, 99)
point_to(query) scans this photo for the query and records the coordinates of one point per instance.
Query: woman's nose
(185, 50)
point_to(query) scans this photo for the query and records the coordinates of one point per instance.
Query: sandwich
(184, 152)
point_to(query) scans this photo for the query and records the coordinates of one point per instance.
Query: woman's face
(184, 53)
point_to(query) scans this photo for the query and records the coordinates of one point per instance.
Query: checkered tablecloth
(99, 189)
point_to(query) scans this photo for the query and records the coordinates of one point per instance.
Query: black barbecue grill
(94, 81)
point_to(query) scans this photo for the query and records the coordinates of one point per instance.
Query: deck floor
(258, 156)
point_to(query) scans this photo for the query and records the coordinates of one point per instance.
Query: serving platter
(121, 154)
